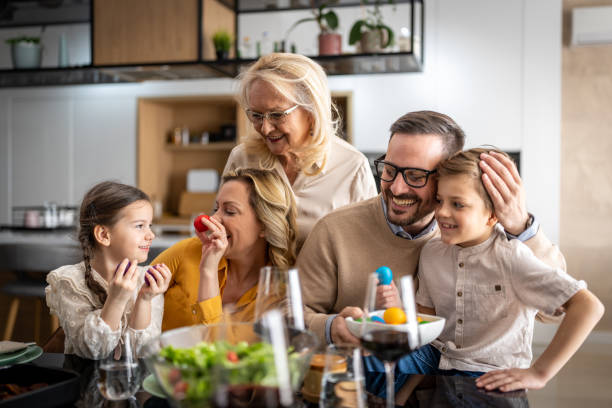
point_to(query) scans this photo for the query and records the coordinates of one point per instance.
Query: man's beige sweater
(342, 249)
(351, 242)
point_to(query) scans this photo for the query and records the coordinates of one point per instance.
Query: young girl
(489, 289)
(107, 294)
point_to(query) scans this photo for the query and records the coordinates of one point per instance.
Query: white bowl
(428, 331)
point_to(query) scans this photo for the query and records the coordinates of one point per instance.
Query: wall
(492, 65)
(586, 174)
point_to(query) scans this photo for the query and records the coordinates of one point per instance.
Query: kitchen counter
(67, 237)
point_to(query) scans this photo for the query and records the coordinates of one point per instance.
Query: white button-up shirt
(489, 294)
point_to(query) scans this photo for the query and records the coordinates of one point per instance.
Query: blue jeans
(422, 361)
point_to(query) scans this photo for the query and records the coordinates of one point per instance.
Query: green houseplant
(330, 42)
(371, 32)
(26, 52)
(222, 41)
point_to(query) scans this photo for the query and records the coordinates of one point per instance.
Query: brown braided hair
(101, 206)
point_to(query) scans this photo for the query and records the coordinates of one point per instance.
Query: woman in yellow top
(253, 225)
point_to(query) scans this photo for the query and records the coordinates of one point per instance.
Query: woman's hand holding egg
(214, 243)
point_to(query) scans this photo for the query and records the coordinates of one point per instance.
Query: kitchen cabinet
(139, 40)
(153, 31)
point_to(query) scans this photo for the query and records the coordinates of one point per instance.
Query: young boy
(489, 289)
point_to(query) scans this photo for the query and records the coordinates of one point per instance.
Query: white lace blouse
(78, 310)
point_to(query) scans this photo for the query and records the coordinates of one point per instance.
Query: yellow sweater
(181, 306)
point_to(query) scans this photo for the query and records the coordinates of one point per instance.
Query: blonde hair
(303, 82)
(466, 163)
(272, 200)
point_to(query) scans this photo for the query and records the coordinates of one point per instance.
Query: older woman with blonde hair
(253, 225)
(287, 100)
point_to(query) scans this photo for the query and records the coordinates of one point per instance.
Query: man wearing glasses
(390, 229)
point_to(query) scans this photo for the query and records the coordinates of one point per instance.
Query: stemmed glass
(390, 342)
(279, 288)
(120, 373)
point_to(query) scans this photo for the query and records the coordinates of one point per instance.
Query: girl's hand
(214, 244)
(124, 282)
(387, 296)
(512, 379)
(157, 278)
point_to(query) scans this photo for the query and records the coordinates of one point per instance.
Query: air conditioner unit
(592, 25)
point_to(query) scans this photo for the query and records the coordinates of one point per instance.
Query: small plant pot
(222, 55)
(26, 55)
(371, 41)
(330, 44)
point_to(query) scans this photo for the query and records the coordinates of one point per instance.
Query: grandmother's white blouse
(78, 310)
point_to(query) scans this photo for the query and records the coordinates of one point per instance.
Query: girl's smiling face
(461, 213)
(233, 210)
(131, 235)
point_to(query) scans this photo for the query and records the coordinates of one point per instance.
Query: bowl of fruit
(394, 318)
(228, 364)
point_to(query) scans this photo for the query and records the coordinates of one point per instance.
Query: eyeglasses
(275, 118)
(414, 177)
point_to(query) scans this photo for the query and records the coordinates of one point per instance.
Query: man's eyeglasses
(414, 177)
(275, 118)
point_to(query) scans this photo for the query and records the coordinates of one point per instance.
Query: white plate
(428, 331)
(151, 386)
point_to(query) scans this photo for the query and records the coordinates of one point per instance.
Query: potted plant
(372, 34)
(222, 41)
(26, 52)
(330, 42)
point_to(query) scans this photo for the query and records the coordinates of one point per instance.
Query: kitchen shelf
(339, 4)
(211, 147)
(345, 64)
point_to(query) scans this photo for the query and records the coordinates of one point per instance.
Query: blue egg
(377, 319)
(385, 276)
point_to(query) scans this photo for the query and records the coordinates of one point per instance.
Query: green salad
(198, 369)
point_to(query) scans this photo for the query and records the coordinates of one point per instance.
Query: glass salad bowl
(230, 364)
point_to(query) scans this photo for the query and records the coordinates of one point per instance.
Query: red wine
(252, 396)
(387, 345)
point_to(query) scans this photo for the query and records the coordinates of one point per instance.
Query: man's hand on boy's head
(512, 379)
(505, 187)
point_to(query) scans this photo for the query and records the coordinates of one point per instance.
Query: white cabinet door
(104, 141)
(40, 141)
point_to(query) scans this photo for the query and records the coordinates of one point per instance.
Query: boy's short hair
(466, 163)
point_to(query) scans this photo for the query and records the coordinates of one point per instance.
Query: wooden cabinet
(163, 166)
(151, 31)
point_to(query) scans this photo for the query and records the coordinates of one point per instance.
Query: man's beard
(413, 214)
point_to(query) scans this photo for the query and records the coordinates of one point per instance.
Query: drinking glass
(279, 288)
(390, 342)
(234, 388)
(120, 374)
(343, 381)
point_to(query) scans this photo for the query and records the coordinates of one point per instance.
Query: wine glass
(120, 373)
(279, 288)
(390, 342)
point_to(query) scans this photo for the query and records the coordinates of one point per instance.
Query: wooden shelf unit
(162, 168)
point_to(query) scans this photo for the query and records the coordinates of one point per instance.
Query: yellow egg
(394, 315)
